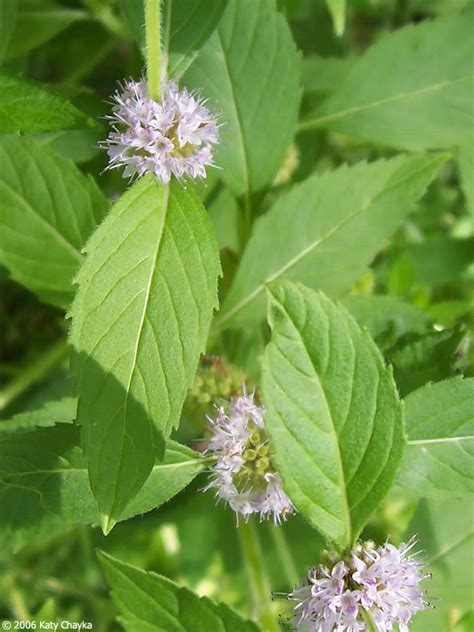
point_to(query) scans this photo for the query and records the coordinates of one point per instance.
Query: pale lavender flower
(243, 474)
(383, 581)
(175, 137)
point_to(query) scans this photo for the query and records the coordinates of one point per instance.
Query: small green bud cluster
(215, 380)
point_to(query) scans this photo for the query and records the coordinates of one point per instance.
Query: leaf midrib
(56, 234)
(317, 379)
(450, 548)
(83, 470)
(55, 13)
(459, 439)
(316, 121)
(165, 203)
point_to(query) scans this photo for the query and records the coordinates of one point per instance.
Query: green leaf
(48, 209)
(386, 317)
(134, 14)
(37, 22)
(446, 535)
(60, 411)
(439, 459)
(439, 260)
(325, 74)
(44, 481)
(326, 230)
(27, 108)
(337, 9)
(420, 77)
(333, 413)
(151, 602)
(249, 69)
(79, 145)
(447, 313)
(429, 357)
(8, 13)
(141, 316)
(187, 26)
(224, 213)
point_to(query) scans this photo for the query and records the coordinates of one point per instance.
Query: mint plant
(236, 384)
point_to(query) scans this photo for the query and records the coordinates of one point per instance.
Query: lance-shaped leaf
(186, 27)
(249, 69)
(147, 291)
(48, 209)
(44, 482)
(150, 602)
(28, 108)
(333, 413)
(326, 231)
(407, 86)
(439, 459)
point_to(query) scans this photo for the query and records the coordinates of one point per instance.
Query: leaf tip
(339, 26)
(107, 524)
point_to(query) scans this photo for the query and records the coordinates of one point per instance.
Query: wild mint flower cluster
(173, 137)
(243, 474)
(383, 581)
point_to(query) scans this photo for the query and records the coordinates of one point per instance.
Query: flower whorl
(383, 582)
(243, 474)
(173, 137)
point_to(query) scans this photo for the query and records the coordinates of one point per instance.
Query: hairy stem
(257, 576)
(153, 47)
(33, 373)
